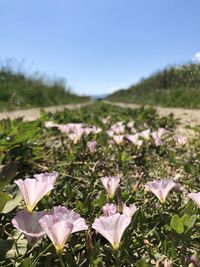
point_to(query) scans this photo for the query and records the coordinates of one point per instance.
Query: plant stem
(35, 261)
(61, 261)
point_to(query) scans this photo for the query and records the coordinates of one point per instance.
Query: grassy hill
(172, 87)
(19, 91)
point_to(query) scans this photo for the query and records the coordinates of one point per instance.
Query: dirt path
(187, 116)
(34, 113)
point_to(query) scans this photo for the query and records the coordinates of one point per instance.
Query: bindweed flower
(33, 191)
(195, 197)
(118, 139)
(145, 134)
(91, 145)
(157, 135)
(59, 224)
(134, 138)
(76, 135)
(130, 124)
(180, 139)
(118, 128)
(129, 211)
(50, 124)
(160, 188)
(112, 227)
(92, 130)
(28, 224)
(110, 183)
(110, 209)
(105, 120)
(46, 177)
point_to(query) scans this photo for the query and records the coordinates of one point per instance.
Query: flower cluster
(74, 131)
(59, 222)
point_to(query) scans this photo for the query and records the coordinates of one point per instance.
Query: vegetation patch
(172, 87)
(99, 186)
(19, 91)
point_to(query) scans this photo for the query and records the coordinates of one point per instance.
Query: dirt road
(187, 116)
(34, 113)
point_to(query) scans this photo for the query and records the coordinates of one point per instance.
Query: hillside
(19, 91)
(172, 87)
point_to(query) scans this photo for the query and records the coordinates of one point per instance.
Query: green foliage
(19, 91)
(172, 87)
(157, 232)
(7, 174)
(180, 225)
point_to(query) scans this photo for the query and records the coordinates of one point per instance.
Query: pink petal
(28, 224)
(112, 227)
(46, 177)
(110, 183)
(33, 191)
(109, 209)
(195, 197)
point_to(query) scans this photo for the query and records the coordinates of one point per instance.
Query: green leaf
(176, 224)
(26, 263)
(141, 263)
(13, 203)
(185, 219)
(4, 198)
(8, 172)
(123, 157)
(191, 221)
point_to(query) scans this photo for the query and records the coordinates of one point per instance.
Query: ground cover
(142, 225)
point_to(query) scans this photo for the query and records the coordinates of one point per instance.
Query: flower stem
(61, 261)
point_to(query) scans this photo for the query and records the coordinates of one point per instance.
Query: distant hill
(172, 87)
(19, 91)
(99, 96)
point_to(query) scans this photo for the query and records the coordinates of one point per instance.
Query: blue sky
(99, 45)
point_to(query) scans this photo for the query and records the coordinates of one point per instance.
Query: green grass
(172, 87)
(19, 91)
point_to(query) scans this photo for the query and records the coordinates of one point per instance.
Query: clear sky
(99, 45)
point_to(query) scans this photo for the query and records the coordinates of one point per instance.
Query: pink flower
(130, 124)
(112, 227)
(110, 133)
(59, 224)
(118, 139)
(91, 145)
(145, 134)
(129, 211)
(50, 124)
(134, 138)
(110, 183)
(110, 209)
(46, 177)
(160, 188)
(33, 191)
(92, 130)
(180, 139)
(76, 135)
(28, 224)
(157, 135)
(105, 120)
(195, 197)
(118, 128)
